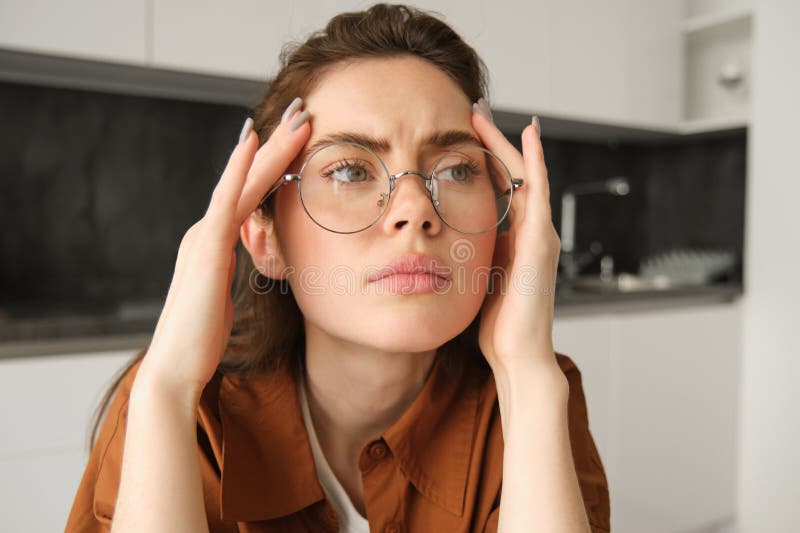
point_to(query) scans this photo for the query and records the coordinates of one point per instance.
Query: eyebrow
(381, 145)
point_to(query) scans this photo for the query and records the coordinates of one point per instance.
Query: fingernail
(479, 109)
(535, 122)
(483, 108)
(246, 129)
(291, 108)
(486, 108)
(299, 120)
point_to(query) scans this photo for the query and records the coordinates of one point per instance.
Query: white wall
(770, 418)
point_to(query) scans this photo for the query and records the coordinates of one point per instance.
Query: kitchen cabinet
(514, 40)
(587, 341)
(616, 62)
(718, 70)
(239, 38)
(662, 393)
(661, 388)
(102, 30)
(48, 405)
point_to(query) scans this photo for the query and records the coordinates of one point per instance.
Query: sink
(623, 282)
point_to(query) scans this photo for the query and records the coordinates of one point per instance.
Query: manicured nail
(535, 122)
(291, 108)
(483, 108)
(478, 109)
(486, 108)
(246, 129)
(299, 120)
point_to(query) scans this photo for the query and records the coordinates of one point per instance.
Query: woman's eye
(456, 173)
(347, 173)
(353, 174)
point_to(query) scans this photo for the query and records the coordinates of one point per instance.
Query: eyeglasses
(345, 187)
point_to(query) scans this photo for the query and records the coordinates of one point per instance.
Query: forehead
(403, 99)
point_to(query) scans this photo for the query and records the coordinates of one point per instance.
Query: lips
(414, 263)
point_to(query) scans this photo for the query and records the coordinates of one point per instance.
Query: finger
(226, 193)
(250, 173)
(535, 167)
(496, 142)
(269, 164)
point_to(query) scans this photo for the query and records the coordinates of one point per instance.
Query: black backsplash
(686, 194)
(97, 190)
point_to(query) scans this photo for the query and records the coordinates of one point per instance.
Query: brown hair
(268, 328)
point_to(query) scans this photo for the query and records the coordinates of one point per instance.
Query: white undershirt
(350, 520)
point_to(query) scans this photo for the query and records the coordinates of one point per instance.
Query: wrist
(531, 380)
(151, 385)
(537, 365)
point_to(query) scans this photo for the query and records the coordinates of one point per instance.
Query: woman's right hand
(195, 323)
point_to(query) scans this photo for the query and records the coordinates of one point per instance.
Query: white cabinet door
(106, 30)
(674, 406)
(48, 404)
(587, 341)
(513, 39)
(242, 38)
(617, 61)
(239, 38)
(662, 394)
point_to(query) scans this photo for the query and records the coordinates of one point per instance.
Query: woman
(370, 376)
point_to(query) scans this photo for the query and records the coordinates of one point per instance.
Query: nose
(410, 204)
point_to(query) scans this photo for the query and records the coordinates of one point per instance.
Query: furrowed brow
(381, 145)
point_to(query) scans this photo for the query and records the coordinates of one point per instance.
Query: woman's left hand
(517, 316)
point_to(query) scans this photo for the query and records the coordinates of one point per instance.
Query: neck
(355, 393)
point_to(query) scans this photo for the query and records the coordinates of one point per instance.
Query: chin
(409, 332)
(393, 343)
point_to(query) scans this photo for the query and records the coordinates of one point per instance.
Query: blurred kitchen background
(668, 129)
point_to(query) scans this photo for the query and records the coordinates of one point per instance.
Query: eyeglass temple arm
(286, 178)
(516, 183)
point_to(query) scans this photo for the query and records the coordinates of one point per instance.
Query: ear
(259, 237)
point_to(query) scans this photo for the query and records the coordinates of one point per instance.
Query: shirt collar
(268, 469)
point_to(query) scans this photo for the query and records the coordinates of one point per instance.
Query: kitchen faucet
(570, 261)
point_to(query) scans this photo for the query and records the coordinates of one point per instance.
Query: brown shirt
(438, 468)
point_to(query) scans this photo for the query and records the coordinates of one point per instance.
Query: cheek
(472, 265)
(296, 232)
(311, 254)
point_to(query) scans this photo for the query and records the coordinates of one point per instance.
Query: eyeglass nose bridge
(393, 178)
(428, 183)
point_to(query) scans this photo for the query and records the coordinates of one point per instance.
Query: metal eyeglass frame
(286, 178)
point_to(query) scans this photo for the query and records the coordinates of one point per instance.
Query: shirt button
(393, 527)
(377, 450)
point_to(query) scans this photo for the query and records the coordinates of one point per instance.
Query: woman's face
(403, 100)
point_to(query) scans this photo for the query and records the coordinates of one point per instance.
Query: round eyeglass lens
(471, 189)
(344, 187)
